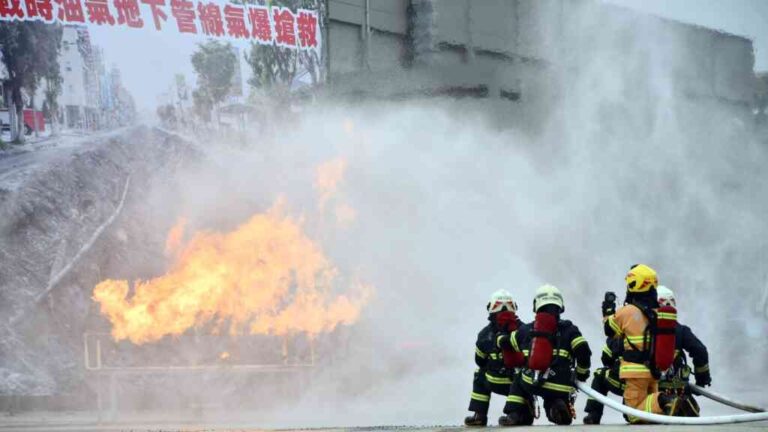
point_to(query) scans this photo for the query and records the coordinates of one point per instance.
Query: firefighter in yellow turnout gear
(630, 324)
(672, 382)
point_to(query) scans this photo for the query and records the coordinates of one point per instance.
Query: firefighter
(672, 383)
(494, 372)
(630, 323)
(553, 348)
(606, 379)
(675, 381)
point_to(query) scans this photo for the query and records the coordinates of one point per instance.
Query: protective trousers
(605, 380)
(642, 394)
(482, 386)
(521, 398)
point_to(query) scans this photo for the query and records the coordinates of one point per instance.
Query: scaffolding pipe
(664, 419)
(709, 394)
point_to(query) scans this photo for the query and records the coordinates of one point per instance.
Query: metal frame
(95, 366)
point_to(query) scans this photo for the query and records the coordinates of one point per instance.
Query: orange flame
(265, 277)
(175, 237)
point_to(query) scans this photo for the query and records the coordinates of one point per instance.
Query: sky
(149, 59)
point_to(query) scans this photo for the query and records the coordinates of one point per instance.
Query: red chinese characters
(266, 25)
(261, 27)
(98, 12)
(210, 19)
(39, 9)
(184, 12)
(157, 12)
(11, 9)
(285, 32)
(70, 11)
(306, 23)
(235, 18)
(128, 13)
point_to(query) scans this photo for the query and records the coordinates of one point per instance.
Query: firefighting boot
(594, 410)
(592, 418)
(476, 419)
(559, 413)
(516, 419)
(670, 404)
(688, 406)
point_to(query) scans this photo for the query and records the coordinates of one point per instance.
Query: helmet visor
(500, 305)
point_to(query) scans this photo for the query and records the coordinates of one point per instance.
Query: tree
(30, 53)
(214, 62)
(53, 87)
(275, 68)
(167, 115)
(202, 104)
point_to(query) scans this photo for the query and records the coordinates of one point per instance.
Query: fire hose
(724, 400)
(664, 419)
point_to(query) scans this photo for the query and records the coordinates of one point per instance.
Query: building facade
(512, 52)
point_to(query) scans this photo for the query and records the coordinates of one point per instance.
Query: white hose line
(724, 400)
(657, 418)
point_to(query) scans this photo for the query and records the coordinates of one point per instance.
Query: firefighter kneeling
(675, 380)
(495, 365)
(552, 347)
(648, 332)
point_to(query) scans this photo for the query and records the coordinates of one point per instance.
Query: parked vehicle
(29, 121)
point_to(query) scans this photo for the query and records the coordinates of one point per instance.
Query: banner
(265, 25)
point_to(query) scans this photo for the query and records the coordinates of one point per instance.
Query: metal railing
(107, 398)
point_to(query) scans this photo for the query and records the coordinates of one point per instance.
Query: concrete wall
(521, 44)
(348, 53)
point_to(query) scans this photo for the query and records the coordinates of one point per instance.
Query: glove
(703, 379)
(504, 342)
(609, 308)
(583, 377)
(609, 304)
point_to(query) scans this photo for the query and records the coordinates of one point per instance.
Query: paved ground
(19, 160)
(38, 422)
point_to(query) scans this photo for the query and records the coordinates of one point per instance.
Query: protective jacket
(686, 342)
(629, 324)
(488, 356)
(570, 350)
(611, 355)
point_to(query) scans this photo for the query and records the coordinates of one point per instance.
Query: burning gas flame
(264, 277)
(175, 237)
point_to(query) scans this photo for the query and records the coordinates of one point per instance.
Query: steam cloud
(449, 207)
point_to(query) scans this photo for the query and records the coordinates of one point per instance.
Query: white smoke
(451, 207)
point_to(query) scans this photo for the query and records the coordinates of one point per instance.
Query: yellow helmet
(641, 279)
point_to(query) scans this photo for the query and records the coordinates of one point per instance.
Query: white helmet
(501, 300)
(547, 294)
(665, 296)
